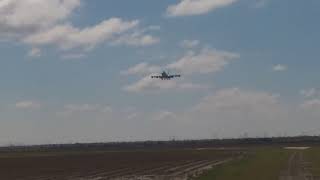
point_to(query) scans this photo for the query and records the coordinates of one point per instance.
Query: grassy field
(312, 155)
(261, 164)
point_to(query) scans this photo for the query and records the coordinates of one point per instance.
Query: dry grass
(262, 164)
(312, 155)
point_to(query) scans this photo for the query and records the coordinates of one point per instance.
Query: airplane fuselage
(165, 76)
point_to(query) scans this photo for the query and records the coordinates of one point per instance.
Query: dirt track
(297, 168)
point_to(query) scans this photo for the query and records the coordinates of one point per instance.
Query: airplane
(166, 76)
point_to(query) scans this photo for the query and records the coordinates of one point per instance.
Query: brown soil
(104, 165)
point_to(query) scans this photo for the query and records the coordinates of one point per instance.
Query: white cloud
(147, 84)
(234, 98)
(309, 92)
(19, 17)
(189, 43)
(279, 67)
(142, 69)
(73, 56)
(132, 116)
(207, 61)
(68, 37)
(74, 108)
(81, 107)
(34, 52)
(28, 105)
(226, 113)
(313, 104)
(260, 3)
(47, 23)
(197, 7)
(203, 62)
(192, 86)
(153, 28)
(136, 39)
(229, 113)
(233, 111)
(163, 115)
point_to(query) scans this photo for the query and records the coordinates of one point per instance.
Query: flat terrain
(271, 164)
(165, 164)
(311, 163)
(260, 164)
(263, 163)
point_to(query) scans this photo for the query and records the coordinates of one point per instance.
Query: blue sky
(79, 71)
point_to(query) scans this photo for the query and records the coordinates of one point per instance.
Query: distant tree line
(173, 144)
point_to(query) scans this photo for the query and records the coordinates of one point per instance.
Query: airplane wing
(156, 76)
(173, 76)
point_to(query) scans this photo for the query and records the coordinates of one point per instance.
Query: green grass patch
(312, 155)
(262, 164)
